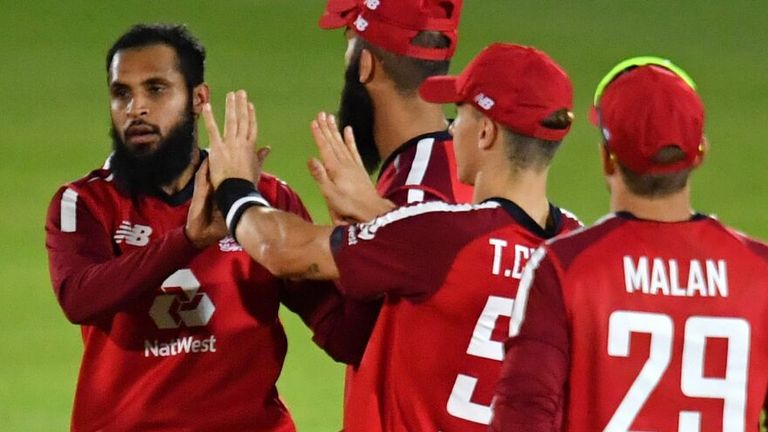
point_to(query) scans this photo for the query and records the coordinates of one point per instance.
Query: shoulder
(567, 247)
(569, 221)
(430, 215)
(92, 183)
(751, 245)
(280, 195)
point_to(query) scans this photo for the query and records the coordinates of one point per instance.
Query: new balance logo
(134, 235)
(361, 24)
(181, 304)
(484, 101)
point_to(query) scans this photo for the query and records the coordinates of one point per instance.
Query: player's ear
(367, 66)
(487, 133)
(704, 147)
(609, 160)
(201, 94)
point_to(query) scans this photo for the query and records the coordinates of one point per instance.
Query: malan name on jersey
(658, 276)
(182, 345)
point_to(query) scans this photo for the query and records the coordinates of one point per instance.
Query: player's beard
(144, 173)
(356, 110)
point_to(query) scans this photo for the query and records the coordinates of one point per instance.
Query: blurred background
(54, 123)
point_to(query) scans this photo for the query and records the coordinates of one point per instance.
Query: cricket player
(392, 47)
(180, 327)
(655, 318)
(447, 273)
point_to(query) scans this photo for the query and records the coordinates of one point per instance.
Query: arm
(84, 268)
(340, 326)
(530, 393)
(84, 265)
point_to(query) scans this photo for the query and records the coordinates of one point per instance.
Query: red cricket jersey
(640, 325)
(422, 169)
(174, 338)
(449, 276)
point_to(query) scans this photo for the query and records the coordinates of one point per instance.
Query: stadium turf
(54, 127)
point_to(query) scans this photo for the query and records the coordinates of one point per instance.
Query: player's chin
(143, 145)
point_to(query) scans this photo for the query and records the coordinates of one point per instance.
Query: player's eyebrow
(155, 80)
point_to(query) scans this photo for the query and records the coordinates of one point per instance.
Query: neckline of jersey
(442, 135)
(554, 221)
(695, 217)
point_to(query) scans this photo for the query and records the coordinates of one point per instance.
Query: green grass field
(54, 128)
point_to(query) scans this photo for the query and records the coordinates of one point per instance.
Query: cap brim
(440, 89)
(332, 20)
(337, 14)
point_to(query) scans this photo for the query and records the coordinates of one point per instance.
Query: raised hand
(343, 181)
(234, 154)
(205, 224)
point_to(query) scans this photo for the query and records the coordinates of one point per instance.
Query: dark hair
(658, 185)
(409, 72)
(190, 53)
(527, 152)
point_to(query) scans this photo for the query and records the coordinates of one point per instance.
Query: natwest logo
(182, 304)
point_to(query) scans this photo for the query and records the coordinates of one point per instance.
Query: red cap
(392, 24)
(648, 108)
(339, 13)
(515, 85)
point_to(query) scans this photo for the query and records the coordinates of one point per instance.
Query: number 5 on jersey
(481, 345)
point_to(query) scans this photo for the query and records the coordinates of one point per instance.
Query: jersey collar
(623, 214)
(438, 136)
(554, 221)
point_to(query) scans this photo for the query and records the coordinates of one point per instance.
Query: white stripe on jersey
(69, 211)
(521, 300)
(368, 230)
(419, 168)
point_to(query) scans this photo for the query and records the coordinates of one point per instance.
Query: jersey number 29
(732, 388)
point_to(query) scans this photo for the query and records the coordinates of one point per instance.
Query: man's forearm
(287, 245)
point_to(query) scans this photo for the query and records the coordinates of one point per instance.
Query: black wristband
(233, 197)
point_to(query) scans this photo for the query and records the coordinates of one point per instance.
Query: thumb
(318, 172)
(262, 153)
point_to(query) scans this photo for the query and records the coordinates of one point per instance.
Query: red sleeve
(84, 265)
(407, 252)
(530, 392)
(340, 326)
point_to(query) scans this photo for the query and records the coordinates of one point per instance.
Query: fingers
(262, 153)
(214, 137)
(253, 127)
(324, 147)
(318, 172)
(334, 129)
(201, 177)
(243, 114)
(349, 141)
(230, 116)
